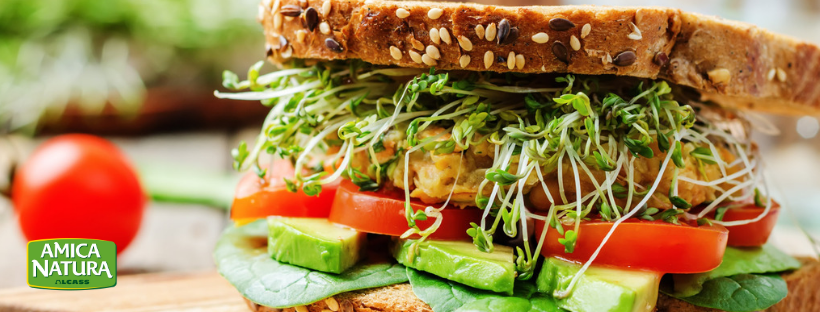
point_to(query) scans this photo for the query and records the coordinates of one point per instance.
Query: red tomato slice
(254, 199)
(752, 234)
(382, 212)
(651, 245)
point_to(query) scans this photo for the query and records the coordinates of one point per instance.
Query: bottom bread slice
(804, 295)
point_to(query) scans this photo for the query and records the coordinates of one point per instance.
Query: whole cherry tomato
(78, 186)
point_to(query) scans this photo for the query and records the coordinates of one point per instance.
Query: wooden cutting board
(205, 292)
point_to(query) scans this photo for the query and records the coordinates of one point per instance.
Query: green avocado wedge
(448, 296)
(241, 257)
(461, 262)
(600, 289)
(314, 243)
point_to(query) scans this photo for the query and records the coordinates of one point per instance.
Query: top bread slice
(803, 296)
(733, 63)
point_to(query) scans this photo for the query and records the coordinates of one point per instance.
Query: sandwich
(425, 156)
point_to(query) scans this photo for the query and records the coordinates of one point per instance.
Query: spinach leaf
(241, 257)
(766, 259)
(741, 293)
(448, 296)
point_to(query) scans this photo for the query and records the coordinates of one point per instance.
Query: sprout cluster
(537, 124)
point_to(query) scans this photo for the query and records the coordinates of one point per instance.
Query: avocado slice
(314, 243)
(460, 262)
(600, 289)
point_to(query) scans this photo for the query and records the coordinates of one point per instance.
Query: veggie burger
(425, 156)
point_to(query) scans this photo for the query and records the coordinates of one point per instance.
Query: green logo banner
(72, 264)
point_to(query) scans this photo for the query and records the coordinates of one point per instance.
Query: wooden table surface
(206, 291)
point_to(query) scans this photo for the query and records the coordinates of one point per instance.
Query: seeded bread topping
(755, 69)
(369, 30)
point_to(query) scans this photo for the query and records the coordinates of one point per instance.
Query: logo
(71, 264)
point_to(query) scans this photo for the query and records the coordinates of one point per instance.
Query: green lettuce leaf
(741, 293)
(447, 296)
(241, 257)
(766, 259)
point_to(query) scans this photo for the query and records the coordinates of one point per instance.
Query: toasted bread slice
(803, 296)
(734, 63)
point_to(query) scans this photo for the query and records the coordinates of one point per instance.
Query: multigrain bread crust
(734, 63)
(803, 296)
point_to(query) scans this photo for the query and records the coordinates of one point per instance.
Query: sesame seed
(395, 53)
(465, 43)
(428, 60)
(288, 52)
(435, 13)
(770, 75)
(301, 308)
(639, 15)
(781, 75)
(282, 44)
(489, 34)
(415, 56)
(488, 59)
(324, 27)
(300, 36)
(541, 37)
(332, 304)
(519, 61)
(326, 7)
(433, 52)
(719, 76)
(402, 13)
(585, 30)
(277, 22)
(416, 44)
(511, 60)
(479, 31)
(574, 43)
(543, 68)
(434, 36)
(636, 33)
(445, 35)
(464, 60)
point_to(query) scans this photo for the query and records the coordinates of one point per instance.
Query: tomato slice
(255, 199)
(382, 212)
(650, 245)
(752, 234)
